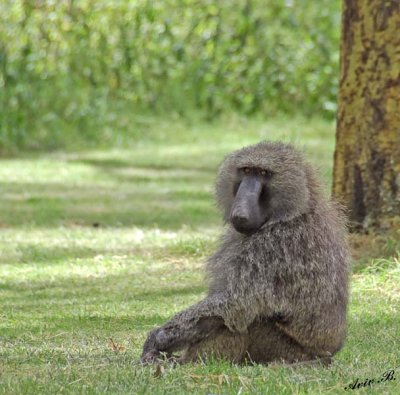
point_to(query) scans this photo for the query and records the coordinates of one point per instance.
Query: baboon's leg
(224, 345)
(264, 343)
(268, 343)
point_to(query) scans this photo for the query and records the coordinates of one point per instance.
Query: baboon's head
(262, 183)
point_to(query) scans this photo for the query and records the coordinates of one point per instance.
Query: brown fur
(280, 294)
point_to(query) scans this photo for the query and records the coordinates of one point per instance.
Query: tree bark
(366, 177)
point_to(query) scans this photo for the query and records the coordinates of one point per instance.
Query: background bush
(84, 69)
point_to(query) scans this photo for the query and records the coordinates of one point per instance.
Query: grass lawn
(97, 248)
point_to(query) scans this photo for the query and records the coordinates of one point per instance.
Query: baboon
(278, 282)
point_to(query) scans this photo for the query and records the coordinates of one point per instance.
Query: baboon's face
(262, 184)
(250, 205)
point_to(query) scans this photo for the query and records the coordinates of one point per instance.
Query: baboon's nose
(240, 222)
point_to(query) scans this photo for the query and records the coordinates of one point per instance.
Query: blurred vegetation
(83, 70)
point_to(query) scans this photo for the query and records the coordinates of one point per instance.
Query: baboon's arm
(200, 321)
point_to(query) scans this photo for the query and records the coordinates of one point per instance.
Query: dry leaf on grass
(115, 346)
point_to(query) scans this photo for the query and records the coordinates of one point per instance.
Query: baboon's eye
(246, 170)
(265, 173)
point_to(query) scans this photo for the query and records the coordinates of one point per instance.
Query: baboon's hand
(151, 342)
(171, 337)
(161, 339)
(151, 348)
(150, 357)
(177, 335)
(198, 322)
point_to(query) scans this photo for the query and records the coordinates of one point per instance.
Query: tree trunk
(366, 176)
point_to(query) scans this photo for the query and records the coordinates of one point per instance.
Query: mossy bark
(366, 175)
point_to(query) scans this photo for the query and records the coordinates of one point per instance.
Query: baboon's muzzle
(246, 214)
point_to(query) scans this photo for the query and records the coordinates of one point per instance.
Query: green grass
(108, 244)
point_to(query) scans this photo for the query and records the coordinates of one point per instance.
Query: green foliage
(73, 70)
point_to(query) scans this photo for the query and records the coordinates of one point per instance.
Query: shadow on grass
(201, 158)
(111, 164)
(87, 303)
(94, 323)
(141, 203)
(122, 287)
(29, 253)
